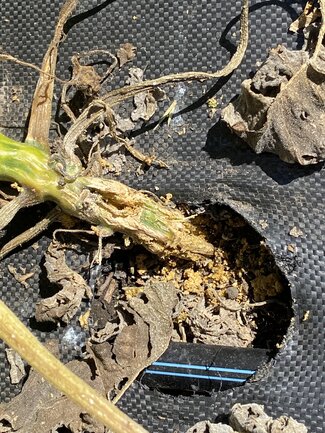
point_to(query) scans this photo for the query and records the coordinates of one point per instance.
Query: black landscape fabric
(206, 164)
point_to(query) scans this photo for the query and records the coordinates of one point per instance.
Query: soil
(238, 298)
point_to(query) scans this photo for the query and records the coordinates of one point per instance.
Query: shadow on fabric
(221, 143)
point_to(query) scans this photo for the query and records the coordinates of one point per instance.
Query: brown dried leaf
(125, 53)
(309, 15)
(110, 330)
(21, 278)
(64, 304)
(17, 366)
(145, 102)
(209, 427)
(215, 325)
(141, 342)
(84, 77)
(286, 424)
(40, 408)
(251, 418)
(123, 124)
(281, 109)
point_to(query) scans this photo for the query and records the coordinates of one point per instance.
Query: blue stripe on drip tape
(203, 367)
(195, 376)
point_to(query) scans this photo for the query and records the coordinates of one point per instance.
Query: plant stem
(17, 336)
(104, 202)
(41, 109)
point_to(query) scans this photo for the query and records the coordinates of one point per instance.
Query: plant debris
(144, 326)
(220, 301)
(17, 367)
(250, 418)
(21, 278)
(308, 16)
(281, 109)
(146, 102)
(211, 291)
(296, 232)
(125, 53)
(40, 408)
(63, 305)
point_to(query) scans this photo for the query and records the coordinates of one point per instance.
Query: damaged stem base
(107, 204)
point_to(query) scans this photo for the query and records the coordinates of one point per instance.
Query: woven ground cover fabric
(206, 164)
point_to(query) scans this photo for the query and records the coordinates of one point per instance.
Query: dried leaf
(20, 278)
(123, 124)
(110, 330)
(281, 109)
(209, 427)
(286, 424)
(141, 342)
(17, 366)
(84, 77)
(40, 408)
(215, 325)
(145, 102)
(64, 304)
(251, 418)
(125, 53)
(309, 15)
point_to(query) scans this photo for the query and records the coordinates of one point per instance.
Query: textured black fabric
(206, 163)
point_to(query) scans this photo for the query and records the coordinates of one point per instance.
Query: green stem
(27, 165)
(18, 337)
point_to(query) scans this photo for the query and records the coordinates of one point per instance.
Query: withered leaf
(217, 326)
(145, 102)
(281, 109)
(209, 427)
(21, 278)
(139, 343)
(85, 77)
(250, 418)
(17, 366)
(285, 424)
(309, 15)
(40, 408)
(243, 417)
(64, 304)
(125, 53)
(123, 124)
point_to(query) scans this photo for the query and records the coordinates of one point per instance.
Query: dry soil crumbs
(237, 298)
